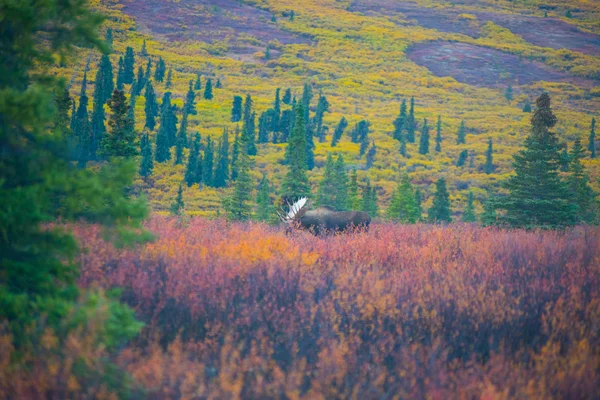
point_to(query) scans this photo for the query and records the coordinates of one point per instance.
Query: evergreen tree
(190, 100)
(276, 115)
(341, 184)
(353, 200)
(469, 213)
(308, 126)
(403, 146)
(267, 53)
(578, 182)
(168, 120)
(489, 217)
(292, 15)
(322, 108)
(440, 210)
(235, 152)
(121, 74)
(208, 90)
(236, 109)
(163, 152)
(181, 140)
(198, 83)
(462, 158)
(287, 124)
(218, 85)
(144, 51)
(400, 123)
(371, 156)
(369, 199)
(132, 100)
(438, 136)
(108, 38)
(489, 158)
(326, 192)
(169, 78)
(264, 208)
(248, 127)
(364, 146)
(592, 140)
(419, 201)
(360, 132)
(148, 73)
(128, 66)
(339, 131)
(222, 165)
(140, 82)
(237, 205)
(147, 163)
(178, 205)
(569, 14)
(403, 205)
(63, 103)
(97, 126)
(191, 176)
(538, 198)
(263, 128)
(120, 138)
(508, 94)
(151, 107)
(295, 184)
(462, 133)
(411, 124)
(159, 72)
(565, 159)
(82, 129)
(287, 97)
(207, 167)
(424, 139)
(527, 107)
(104, 79)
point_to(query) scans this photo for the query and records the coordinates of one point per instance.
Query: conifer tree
(438, 136)
(403, 145)
(151, 107)
(207, 167)
(339, 131)
(190, 100)
(353, 200)
(275, 120)
(371, 156)
(592, 140)
(440, 210)
(469, 213)
(104, 80)
(128, 66)
(159, 72)
(140, 82)
(248, 127)
(508, 94)
(489, 158)
(222, 165)
(565, 159)
(403, 204)
(527, 107)
(235, 152)
(369, 199)
(236, 109)
(462, 133)
(360, 132)
(400, 123)
(538, 197)
(120, 138)
(198, 83)
(237, 205)
(462, 158)
(64, 104)
(411, 124)
(181, 140)
(98, 128)
(308, 126)
(82, 129)
(144, 51)
(419, 201)
(322, 108)
(263, 128)
(364, 146)
(169, 78)
(218, 85)
(147, 163)
(578, 182)
(132, 100)
(191, 176)
(489, 217)
(287, 124)
(178, 205)
(424, 139)
(168, 119)
(326, 192)
(163, 149)
(264, 208)
(287, 97)
(121, 75)
(295, 184)
(208, 90)
(148, 73)
(341, 184)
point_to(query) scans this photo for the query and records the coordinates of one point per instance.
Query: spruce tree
(308, 126)
(326, 192)
(208, 90)
(295, 183)
(235, 152)
(151, 107)
(218, 85)
(538, 197)
(237, 205)
(144, 51)
(169, 79)
(198, 83)
(462, 133)
(489, 158)
(191, 177)
(339, 131)
(168, 119)
(108, 38)
(159, 72)
(248, 127)
(527, 107)
(178, 205)
(565, 158)
(403, 146)
(489, 217)
(360, 132)
(287, 124)
(120, 138)
(438, 136)
(440, 210)
(371, 156)
(63, 103)
(107, 80)
(508, 94)
(121, 74)
(322, 108)
(411, 124)
(364, 146)
(98, 128)
(341, 184)
(163, 149)
(147, 163)
(287, 97)
(578, 182)
(462, 158)
(207, 167)
(264, 208)
(82, 129)
(424, 139)
(140, 82)
(400, 123)
(353, 199)
(222, 165)
(276, 115)
(236, 109)
(592, 139)
(369, 199)
(181, 140)
(128, 66)
(132, 100)
(190, 100)
(148, 72)
(403, 205)
(263, 128)
(469, 213)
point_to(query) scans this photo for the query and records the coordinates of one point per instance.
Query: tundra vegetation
(102, 124)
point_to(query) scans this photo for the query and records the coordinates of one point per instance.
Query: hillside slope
(456, 59)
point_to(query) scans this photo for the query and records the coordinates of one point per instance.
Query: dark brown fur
(324, 219)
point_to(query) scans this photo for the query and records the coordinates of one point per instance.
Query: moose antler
(294, 211)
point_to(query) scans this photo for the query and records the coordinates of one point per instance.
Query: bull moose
(323, 219)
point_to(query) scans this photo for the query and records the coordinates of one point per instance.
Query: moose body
(323, 219)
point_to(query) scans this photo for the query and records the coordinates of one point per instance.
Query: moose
(323, 219)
